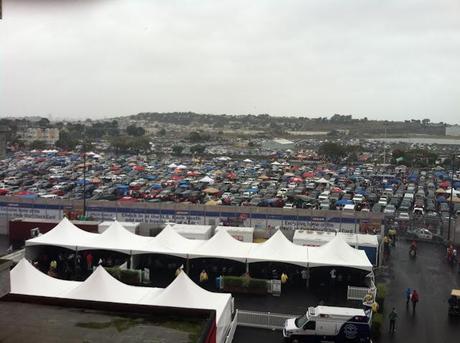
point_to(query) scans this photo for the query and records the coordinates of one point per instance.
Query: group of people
(68, 266)
(411, 296)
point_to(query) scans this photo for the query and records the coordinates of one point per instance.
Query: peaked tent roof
(279, 249)
(116, 237)
(64, 234)
(223, 245)
(171, 239)
(183, 292)
(101, 286)
(28, 280)
(338, 253)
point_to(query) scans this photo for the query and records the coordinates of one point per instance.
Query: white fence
(265, 320)
(358, 293)
(231, 332)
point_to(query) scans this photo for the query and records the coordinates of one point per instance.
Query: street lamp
(451, 196)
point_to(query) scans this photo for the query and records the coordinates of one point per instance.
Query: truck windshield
(301, 321)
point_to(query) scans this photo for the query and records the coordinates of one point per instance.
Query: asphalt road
(433, 279)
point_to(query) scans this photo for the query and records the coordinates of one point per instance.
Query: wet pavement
(433, 279)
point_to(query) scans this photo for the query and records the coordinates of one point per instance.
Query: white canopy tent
(66, 235)
(338, 253)
(102, 287)
(207, 179)
(276, 249)
(117, 238)
(222, 245)
(28, 280)
(279, 249)
(174, 241)
(183, 292)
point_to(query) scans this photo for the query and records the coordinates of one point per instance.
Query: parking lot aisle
(433, 279)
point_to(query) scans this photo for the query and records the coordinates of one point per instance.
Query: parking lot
(401, 193)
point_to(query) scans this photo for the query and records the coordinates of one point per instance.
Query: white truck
(329, 324)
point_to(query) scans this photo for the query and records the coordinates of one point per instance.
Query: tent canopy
(222, 245)
(102, 287)
(66, 235)
(279, 249)
(338, 253)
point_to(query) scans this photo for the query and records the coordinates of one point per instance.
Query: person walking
(408, 294)
(415, 299)
(393, 316)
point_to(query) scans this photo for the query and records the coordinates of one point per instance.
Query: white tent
(117, 238)
(65, 235)
(279, 249)
(247, 160)
(172, 165)
(276, 163)
(171, 239)
(322, 180)
(183, 292)
(222, 245)
(28, 280)
(207, 179)
(101, 286)
(181, 166)
(338, 253)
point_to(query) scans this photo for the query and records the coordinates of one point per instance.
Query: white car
(403, 216)
(288, 205)
(422, 234)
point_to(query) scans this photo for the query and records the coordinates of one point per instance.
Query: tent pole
(131, 260)
(247, 266)
(187, 266)
(75, 261)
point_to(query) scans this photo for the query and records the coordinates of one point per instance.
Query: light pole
(451, 196)
(84, 180)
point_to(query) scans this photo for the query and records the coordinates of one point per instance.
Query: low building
(48, 135)
(453, 130)
(279, 144)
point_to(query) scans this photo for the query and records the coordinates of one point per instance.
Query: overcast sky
(386, 59)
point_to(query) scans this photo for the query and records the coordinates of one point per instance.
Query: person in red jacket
(89, 262)
(414, 298)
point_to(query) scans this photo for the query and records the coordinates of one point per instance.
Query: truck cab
(324, 323)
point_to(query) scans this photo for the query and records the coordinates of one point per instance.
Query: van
(329, 323)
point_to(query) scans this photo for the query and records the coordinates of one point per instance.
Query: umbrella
(211, 190)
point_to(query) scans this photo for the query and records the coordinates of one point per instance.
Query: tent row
(276, 249)
(102, 287)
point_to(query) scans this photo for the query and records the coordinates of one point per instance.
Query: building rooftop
(25, 322)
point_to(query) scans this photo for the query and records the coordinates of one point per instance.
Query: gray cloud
(381, 59)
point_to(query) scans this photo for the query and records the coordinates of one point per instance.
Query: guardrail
(264, 320)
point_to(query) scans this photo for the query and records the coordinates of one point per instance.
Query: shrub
(376, 325)
(232, 281)
(115, 272)
(130, 277)
(381, 294)
(244, 282)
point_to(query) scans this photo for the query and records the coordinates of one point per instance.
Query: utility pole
(451, 195)
(385, 146)
(84, 180)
